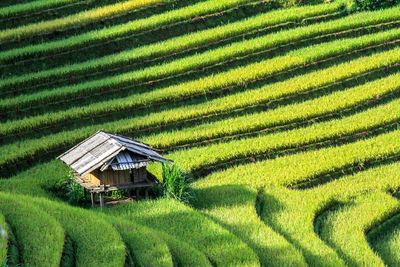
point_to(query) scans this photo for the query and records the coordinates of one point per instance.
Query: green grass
(17, 8)
(345, 228)
(40, 237)
(251, 97)
(234, 207)
(237, 76)
(91, 232)
(219, 245)
(154, 21)
(294, 155)
(147, 248)
(270, 144)
(73, 20)
(302, 207)
(302, 167)
(196, 39)
(296, 113)
(385, 240)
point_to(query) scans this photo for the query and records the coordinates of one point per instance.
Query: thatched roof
(109, 151)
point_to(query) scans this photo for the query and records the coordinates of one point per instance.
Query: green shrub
(69, 190)
(294, 3)
(369, 5)
(176, 183)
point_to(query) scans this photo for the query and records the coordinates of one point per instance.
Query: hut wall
(94, 177)
(139, 175)
(110, 177)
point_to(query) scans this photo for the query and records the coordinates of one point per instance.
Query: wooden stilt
(137, 194)
(92, 198)
(101, 199)
(146, 193)
(84, 192)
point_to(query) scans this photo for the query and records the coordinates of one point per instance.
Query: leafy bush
(294, 3)
(176, 183)
(363, 5)
(68, 189)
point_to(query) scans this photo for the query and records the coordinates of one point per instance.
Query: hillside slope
(286, 116)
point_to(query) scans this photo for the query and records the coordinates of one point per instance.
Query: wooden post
(84, 192)
(129, 193)
(146, 192)
(137, 194)
(92, 198)
(101, 199)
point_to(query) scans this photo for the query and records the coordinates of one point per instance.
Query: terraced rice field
(288, 119)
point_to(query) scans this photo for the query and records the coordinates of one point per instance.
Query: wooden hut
(107, 162)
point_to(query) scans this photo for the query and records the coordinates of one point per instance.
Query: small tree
(176, 183)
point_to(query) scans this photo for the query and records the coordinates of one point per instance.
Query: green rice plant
(73, 20)
(147, 251)
(198, 158)
(154, 248)
(86, 237)
(345, 228)
(191, 40)
(298, 112)
(296, 85)
(46, 177)
(302, 83)
(140, 25)
(301, 208)
(13, 10)
(385, 240)
(239, 100)
(218, 244)
(235, 77)
(234, 208)
(176, 183)
(183, 253)
(273, 18)
(289, 212)
(40, 237)
(147, 248)
(305, 166)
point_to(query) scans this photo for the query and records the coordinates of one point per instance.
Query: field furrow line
(243, 76)
(33, 82)
(38, 29)
(262, 96)
(302, 208)
(345, 227)
(267, 120)
(77, 3)
(384, 239)
(68, 44)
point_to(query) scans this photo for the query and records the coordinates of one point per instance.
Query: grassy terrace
(287, 119)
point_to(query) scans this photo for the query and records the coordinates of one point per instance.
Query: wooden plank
(137, 194)
(101, 199)
(92, 198)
